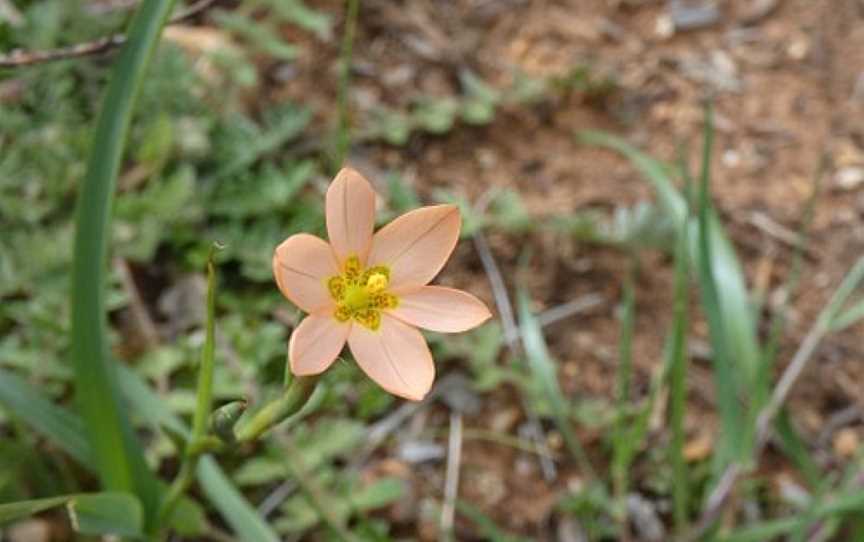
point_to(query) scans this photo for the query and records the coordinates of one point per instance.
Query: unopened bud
(224, 418)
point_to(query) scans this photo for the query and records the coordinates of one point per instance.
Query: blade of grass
(120, 459)
(740, 325)
(543, 371)
(765, 418)
(90, 513)
(795, 448)
(732, 439)
(65, 430)
(62, 427)
(843, 504)
(677, 359)
(622, 443)
(232, 505)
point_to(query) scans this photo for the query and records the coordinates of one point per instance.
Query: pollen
(361, 294)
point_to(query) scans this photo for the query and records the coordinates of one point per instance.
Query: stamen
(360, 294)
(376, 283)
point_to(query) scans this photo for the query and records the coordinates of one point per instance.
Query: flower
(372, 291)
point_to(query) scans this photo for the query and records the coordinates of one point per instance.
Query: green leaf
(740, 333)
(733, 434)
(232, 504)
(106, 513)
(258, 33)
(189, 518)
(25, 402)
(219, 490)
(545, 375)
(119, 457)
(297, 12)
(676, 358)
(379, 494)
(52, 422)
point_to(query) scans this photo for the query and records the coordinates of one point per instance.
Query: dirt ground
(788, 82)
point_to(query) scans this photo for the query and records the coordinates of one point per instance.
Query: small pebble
(846, 442)
(849, 178)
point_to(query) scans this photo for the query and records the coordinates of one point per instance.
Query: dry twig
(451, 482)
(28, 58)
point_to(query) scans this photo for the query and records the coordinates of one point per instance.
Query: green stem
(678, 381)
(202, 407)
(290, 402)
(622, 445)
(345, 55)
(118, 455)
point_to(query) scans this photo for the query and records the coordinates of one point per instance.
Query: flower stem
(290, 402)
(202, 407)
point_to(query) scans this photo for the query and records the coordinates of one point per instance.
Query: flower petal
(350, 215)
(315, 343)
(416, 245)
(302, 264)
(395, 356)
(445, 310)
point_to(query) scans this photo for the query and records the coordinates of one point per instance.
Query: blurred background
(479, 103)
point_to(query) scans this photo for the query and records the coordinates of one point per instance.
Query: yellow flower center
(361, 294)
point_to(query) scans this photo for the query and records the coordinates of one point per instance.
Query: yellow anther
(376, 283)
(361, 294)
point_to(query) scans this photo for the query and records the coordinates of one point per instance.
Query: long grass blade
(543, 371)
(65, 430)
(623, 445)
(24, 401)
(732, 437)
(119, 457)
(740, 324)
(216, 486)
(677, 354)
(90, 513)
(848, 503)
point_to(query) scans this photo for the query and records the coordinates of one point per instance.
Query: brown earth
(788, 86)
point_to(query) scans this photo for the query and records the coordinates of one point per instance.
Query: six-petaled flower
(372, 291)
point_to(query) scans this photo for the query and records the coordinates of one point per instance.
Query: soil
(788, 86)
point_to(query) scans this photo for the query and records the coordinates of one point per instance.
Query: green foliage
(90, 514)
(544, 374)
(476, 105)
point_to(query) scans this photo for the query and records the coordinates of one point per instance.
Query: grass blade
(121, 464)
(236, 510)
(90, 513)
(232, 505)
(543, 371)
(677, 360)
(740, 325)
(623, 445)
(63, 428)
(849, 503)
(731, 438)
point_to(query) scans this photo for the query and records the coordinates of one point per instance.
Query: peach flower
(372, 291)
